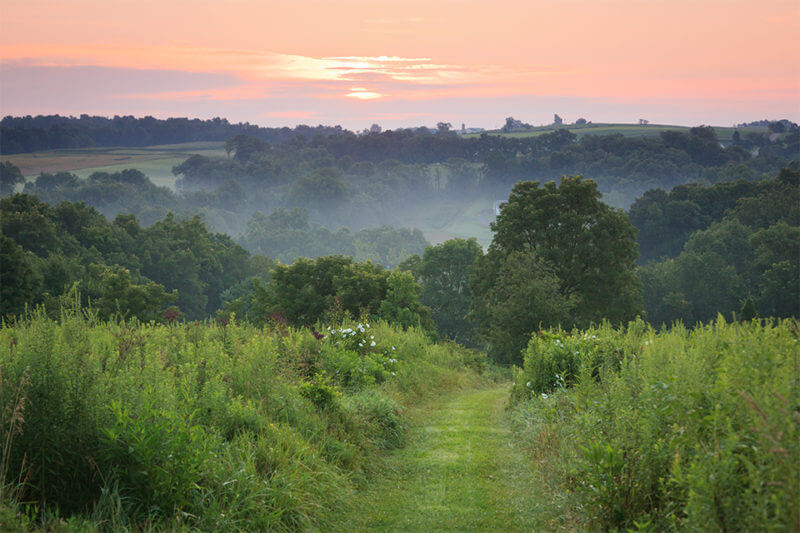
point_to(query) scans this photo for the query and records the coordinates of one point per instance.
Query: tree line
(51, 132)
(559, 257)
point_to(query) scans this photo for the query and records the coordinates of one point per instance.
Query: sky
(402, 63)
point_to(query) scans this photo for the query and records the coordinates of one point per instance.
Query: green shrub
(322, 395)
(387, 430)
(153, 457)
(680, 430)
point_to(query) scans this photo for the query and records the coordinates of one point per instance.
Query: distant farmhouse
(465, 130)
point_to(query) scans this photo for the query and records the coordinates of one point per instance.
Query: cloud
(250, 64)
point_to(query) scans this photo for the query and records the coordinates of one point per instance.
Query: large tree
(444, 272)
(572, 237)
(10, 177)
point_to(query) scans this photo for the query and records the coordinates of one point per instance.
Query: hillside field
(724, 134)
(155, 161)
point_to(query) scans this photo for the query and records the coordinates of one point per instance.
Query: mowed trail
(459, 472)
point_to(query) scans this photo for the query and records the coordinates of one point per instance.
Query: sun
(362, 93)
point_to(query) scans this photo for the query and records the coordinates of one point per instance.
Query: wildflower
(528, 384)
(544, 396)
(372, 343)
(372, 336)
(393, 373)
(392, 348)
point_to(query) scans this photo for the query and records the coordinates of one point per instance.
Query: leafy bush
(556, 359)
(322, 395)
(680, 430)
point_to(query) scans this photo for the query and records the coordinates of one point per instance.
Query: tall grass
(201, 426)
(680, 430)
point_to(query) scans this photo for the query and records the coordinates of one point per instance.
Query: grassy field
(204, 427)
(459, 472)
(724, 134)
(155, 161)
(678, 430)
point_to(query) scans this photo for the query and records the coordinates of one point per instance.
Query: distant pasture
(154, 161)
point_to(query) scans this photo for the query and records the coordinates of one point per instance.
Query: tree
(748, 310)
(587, 246)
(311, 290)
(525, 297)
(444, 127)
(113, 294)
(444, 272)
(402, 306)
(20, 283)
(324, 190)
(10, 177)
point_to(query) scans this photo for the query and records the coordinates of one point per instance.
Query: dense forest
(386, 177)
(730, 248)
(52, 132)
(158, 373)
(702, 211)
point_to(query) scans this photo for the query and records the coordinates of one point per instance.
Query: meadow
(223, 426)
(212, 426)
(686, 429)
(155, 161)
(724, 134)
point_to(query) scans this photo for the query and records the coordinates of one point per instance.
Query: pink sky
(404, 63)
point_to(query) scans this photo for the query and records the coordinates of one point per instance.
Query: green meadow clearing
(154, 161)
(724, 134)
(227, 427)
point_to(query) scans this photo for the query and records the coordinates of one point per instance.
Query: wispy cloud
(255, 65)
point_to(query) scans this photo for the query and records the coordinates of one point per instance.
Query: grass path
(459, 472)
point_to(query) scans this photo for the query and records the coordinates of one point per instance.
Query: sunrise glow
(357, 61)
